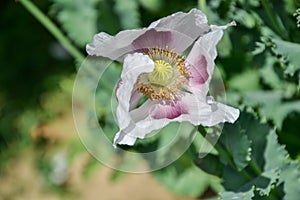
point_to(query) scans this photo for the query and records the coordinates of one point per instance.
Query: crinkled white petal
(195, 110)
(217, 113)
(135, 98)
(129, 41)
(124, 139)
(162, 38)
(207, 43)
(201, 57)
(192, 24)
(134, 65)
(129, 134)
(113, 47)
(143, 121)
(184, 28)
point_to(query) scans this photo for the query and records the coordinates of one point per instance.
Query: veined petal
(162, 38)
(129, 134)
(202, 56)
(192, 24)
(219, 113)
(135, 99)
(129, 41)
(170, 111)
(196, 110)
(180, 30)
(134, 65)
(198, 68)
(113, 47)
(123, 138)
(153, 116)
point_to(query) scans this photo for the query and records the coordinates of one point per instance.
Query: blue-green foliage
(265, 168)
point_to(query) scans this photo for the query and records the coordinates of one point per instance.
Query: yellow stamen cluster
(168, 77)
(162, 74)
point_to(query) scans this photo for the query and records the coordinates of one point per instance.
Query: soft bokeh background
(41, 156)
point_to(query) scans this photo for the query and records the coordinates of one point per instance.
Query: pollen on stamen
(164, 89)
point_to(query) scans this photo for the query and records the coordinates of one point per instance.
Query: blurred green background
(41, 156)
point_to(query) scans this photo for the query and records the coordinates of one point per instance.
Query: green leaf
(283, 110)
(238, 195)
(290, 176)
(271, 105)
(275, 157)
(245, 18)
(265, 182)
(233, 180)
(128, 13)
(269, 76)
(286, 171)
(210, 164)
(257, 133)
(78, 18)
(246, 81)
(237, 143)
(189, 181)
(291, 51)
(260, 47)
(297, 16)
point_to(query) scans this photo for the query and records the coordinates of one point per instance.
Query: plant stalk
(53, 29)
(202, 5)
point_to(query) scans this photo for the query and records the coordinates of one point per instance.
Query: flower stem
(202, 5)
(53, 29)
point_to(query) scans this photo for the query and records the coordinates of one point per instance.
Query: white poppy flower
(175, 86)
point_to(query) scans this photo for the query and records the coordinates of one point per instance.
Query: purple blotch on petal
(198, 69)
(169, 111)
(153, 38)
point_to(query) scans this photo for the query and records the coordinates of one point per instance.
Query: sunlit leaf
(257, 134)
(238, 195)
(271, 105)
(291, 51)
(290, 176)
